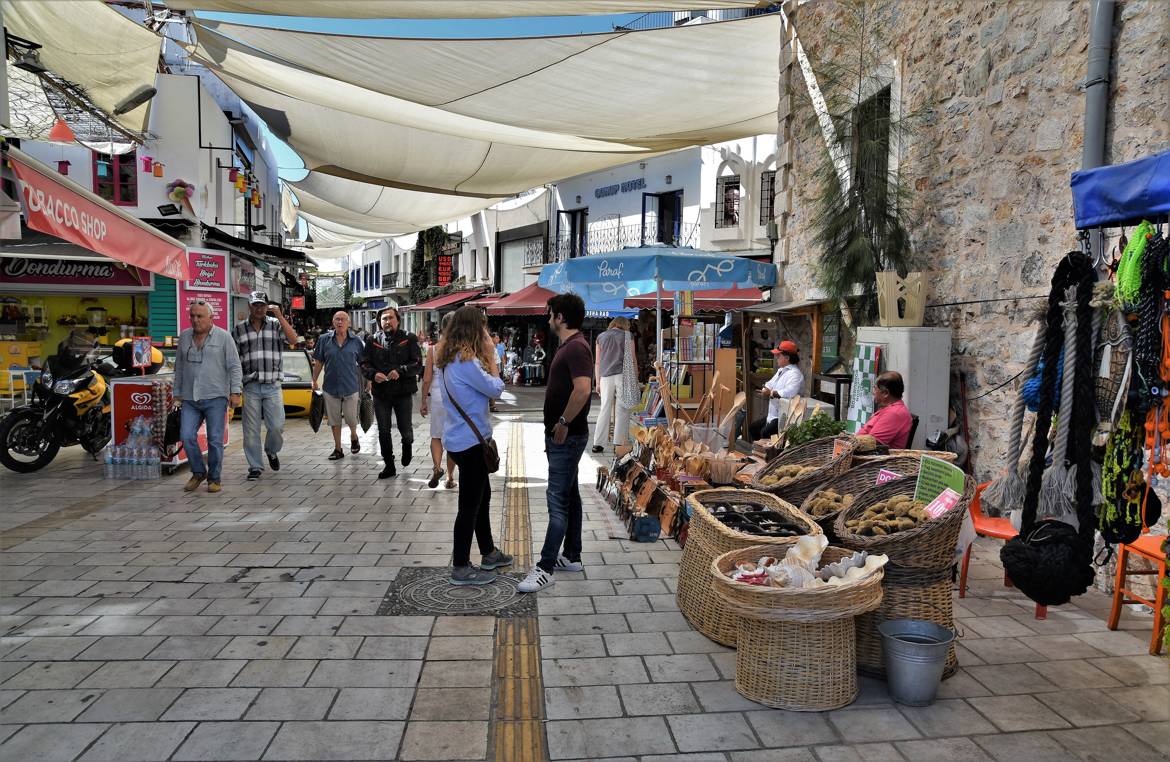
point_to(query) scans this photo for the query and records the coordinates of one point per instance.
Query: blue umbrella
(605, 280)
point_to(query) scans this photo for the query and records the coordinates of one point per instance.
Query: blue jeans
(564, 501)
(262, 400)
(194, 413)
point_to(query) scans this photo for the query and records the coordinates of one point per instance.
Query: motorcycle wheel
(15, 429)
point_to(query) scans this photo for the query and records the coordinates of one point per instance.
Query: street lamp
(773, 238)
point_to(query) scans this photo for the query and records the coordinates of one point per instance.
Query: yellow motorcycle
(70, 405)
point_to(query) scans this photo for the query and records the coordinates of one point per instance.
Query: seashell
(835, 581)
(792, 575)
(873, 563)
(855, 572)
(839, 568)
(768, 561)
(807, 550)
(746, 566)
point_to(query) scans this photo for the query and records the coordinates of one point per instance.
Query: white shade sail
(493, 118)
(92, 45)
(450, 9)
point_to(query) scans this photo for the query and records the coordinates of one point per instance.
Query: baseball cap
(786, 346)
(258, 297)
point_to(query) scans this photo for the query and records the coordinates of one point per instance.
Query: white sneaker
(537, 580)
(564, 564)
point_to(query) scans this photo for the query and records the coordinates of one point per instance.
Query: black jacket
(397, 351)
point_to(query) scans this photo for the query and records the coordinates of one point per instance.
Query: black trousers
(475, 499)
(399, 407)
(762, 428)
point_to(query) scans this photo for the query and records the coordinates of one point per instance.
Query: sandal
(451, 484)
(434, 482)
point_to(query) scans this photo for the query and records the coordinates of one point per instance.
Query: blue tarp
(1122, 194)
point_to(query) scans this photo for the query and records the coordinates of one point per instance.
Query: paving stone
(49, 743)
(1012, 713)
(663, 622)
(680, 668)
(182, 625)
(1075, 673)
(721, 696)
(119, 625)
(1005, 679)
(554, 606)
(130, 705)
(138, 742)
(372, 704)
(583, 624)
(790, 754)
(1135, 670)
(637, 644)
(51, 674)
(571, 646)
(1151, 703)
(51, 649)
(245, 625)
(1060, 647)
(1156, 734)
(211, 704)
(862, 725)
(48, 706)
(460, 647)
(1115, 642)
(781, 728)
(275, 673)
(621, 604)
(962, 685)
(320, 647)
(591, 739)
(374, 673)
(227, 741)
(127, 674)
(257, 647)
(668, 698)
(947, 717)
(201, 673)
(1105, 743)
(291, 704)
(1088, 707)
(1013, 747)
(933, 749)
(694, 643)
(582, 702)
(614, 670)
(998, 651)
(867, 752)
(336, 740)
(180, 647)
(122, 647)
(712, 732)
(384, 625)
(445, 741)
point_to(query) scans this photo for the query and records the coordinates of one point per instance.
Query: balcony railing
(534, 252)
(394, 280)
(602, 239)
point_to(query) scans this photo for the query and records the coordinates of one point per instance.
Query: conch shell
(788, 574)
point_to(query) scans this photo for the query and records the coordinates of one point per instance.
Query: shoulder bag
(491, 453)
(631, 390)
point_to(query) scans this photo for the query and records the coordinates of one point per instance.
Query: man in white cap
(261, 340)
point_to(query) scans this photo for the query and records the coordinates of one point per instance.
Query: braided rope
(1053, 503)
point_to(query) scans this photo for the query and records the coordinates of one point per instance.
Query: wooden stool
(989, 526)
(1148, 546)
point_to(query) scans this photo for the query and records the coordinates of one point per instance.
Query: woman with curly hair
(471, 378)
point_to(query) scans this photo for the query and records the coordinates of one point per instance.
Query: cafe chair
(1148, 546)
(989, 526)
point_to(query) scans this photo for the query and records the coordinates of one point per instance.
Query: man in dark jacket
(392, 361)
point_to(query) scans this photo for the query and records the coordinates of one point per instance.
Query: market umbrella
(607, 279)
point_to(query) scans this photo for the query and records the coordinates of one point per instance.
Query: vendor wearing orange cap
(786, 383)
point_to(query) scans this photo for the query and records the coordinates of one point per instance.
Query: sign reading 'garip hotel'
(42, 274)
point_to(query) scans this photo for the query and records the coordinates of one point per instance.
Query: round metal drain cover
(430, 592)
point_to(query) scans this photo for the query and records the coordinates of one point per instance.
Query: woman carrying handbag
(471, 378)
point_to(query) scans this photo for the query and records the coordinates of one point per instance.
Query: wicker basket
(709, 538)
(946, 455)
(819, 453)
(796, 646)
(918, 577)
(857, 481)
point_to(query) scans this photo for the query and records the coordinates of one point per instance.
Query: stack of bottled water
(135, 459)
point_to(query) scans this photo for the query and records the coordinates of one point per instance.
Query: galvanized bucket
(916, 654)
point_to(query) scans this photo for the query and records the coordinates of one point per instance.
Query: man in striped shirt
(260, 341)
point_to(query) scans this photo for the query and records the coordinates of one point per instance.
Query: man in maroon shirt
(566, 431)
(890, 424)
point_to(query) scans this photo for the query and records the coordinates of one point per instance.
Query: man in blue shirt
(340, 353)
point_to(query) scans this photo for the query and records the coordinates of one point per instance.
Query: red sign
(56, 205)
(208, 283)
(298, 302)
(96, 275)
(130, 401)
(208, 270)
(445, 270)
(243, 276)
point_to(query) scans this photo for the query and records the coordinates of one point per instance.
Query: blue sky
(420, 28)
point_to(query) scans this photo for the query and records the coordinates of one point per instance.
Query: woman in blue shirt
(471, 379)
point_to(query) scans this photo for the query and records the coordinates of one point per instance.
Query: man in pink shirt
(890, 424)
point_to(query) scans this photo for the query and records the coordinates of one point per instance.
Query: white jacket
(788, 382)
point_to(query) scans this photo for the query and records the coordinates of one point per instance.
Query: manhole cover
(429, 592)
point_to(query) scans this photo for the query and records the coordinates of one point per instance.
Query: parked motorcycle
(70, 405)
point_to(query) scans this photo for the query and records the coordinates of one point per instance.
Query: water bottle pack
(137, 458)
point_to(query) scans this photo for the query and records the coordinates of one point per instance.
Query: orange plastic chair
(1147, 546)
(988, 526)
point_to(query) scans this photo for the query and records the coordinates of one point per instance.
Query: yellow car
(297, 385)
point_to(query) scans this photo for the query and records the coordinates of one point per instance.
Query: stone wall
(990, 165)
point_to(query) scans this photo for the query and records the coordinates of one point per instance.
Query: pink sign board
(946, 500)
(99, 274)
(209, 279)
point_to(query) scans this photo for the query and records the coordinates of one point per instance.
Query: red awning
(713, 300)
(56, 205)
(487, 300)
(530, 300)
(446, 300)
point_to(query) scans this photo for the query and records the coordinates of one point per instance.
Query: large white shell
(790, 575)
(838, 569)
(807, 550)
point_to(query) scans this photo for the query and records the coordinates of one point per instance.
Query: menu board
(209, 283)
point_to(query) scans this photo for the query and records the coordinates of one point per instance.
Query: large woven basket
(857, 481)
(818, 452)
(946, 455)
(796, 646)
(709, 538)
(918, 577)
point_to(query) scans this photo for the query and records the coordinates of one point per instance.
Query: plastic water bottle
(116, 461)
(155, 466)
(108, 462)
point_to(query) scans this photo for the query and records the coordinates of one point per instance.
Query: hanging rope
(1129, 269)
(1053, 503)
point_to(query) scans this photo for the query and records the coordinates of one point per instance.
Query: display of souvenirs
(800, 567)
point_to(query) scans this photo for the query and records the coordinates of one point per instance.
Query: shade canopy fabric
(530, 300)
(612, 278)
(1122, 194)
(92, 45)
(716, 300)
(56, 205)
(357, 209)
(450, 9)
(487, 300)
(444, 301)
(493, 118)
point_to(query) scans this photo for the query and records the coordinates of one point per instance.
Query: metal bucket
(916, 655)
